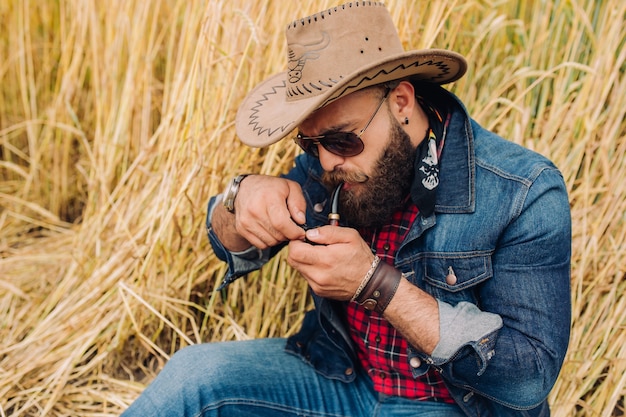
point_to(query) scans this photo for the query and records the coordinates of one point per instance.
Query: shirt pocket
(456, 277)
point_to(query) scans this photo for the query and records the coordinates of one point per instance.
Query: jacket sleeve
(239, 263)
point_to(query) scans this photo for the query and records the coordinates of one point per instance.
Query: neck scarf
(426, 180)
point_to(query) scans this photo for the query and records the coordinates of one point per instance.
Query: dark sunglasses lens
(340, 143)
(343, 144)
(309, 146)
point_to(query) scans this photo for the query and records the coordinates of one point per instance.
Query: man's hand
(334, 268)
(267, 212)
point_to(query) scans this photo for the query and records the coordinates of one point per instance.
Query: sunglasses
(344, 144)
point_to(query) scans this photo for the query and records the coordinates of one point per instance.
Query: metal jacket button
(451, 277)
(415, 362)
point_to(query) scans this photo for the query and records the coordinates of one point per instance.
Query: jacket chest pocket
(456, 278)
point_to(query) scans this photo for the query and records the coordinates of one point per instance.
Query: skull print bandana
(428, 155)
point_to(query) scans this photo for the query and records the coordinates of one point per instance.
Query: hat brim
(266, 115)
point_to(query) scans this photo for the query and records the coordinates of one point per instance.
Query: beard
(380, 194)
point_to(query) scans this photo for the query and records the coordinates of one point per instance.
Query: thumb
(328, 235)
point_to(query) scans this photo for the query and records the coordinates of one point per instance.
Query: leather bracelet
(382, 286)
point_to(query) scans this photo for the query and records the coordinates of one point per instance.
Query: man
(444, 288)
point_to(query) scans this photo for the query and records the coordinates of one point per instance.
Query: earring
(406, 120)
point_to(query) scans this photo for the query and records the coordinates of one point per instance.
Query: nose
(329, 160)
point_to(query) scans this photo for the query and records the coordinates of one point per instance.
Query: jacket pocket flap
(456, 273)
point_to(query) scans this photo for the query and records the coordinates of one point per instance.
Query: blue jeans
(258, 378)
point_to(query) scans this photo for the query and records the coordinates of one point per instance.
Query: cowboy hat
(331, 54)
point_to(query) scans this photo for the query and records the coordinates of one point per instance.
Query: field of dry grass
(116, 125)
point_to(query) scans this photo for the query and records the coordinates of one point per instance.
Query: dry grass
(116, 127)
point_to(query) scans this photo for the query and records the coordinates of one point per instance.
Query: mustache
(334, 178)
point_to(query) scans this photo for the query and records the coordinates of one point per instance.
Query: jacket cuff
(465, 325)
(239, 263)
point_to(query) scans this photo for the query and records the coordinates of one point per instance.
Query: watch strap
(231, 192)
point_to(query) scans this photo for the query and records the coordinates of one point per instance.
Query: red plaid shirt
(382, 350)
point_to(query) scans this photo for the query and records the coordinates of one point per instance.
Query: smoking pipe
(333, 216)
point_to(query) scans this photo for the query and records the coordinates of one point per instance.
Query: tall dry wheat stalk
(116, 126)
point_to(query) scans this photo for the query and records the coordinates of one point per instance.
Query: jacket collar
(456, 190)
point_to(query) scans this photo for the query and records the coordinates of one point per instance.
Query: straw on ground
(116, 127)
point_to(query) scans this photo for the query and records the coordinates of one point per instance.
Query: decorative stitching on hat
(254, 111)
(296, 90)
(328, 12)
(444, 70)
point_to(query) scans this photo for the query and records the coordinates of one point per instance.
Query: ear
(402, 101)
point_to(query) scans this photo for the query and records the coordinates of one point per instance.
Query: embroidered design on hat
(300, 53)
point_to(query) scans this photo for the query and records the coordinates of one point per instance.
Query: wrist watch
(231, 192)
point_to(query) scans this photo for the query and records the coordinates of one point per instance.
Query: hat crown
(328, 46)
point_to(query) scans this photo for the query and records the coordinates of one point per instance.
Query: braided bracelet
(366, 279)
(380, 288)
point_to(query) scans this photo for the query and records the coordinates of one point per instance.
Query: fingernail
(312, 233)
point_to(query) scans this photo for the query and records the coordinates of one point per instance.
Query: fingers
(336, 268)
(268, 227)
(296, 204)
(265, 210)
(336, 245)
(328, 235)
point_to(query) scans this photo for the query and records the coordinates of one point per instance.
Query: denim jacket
(502, 225)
